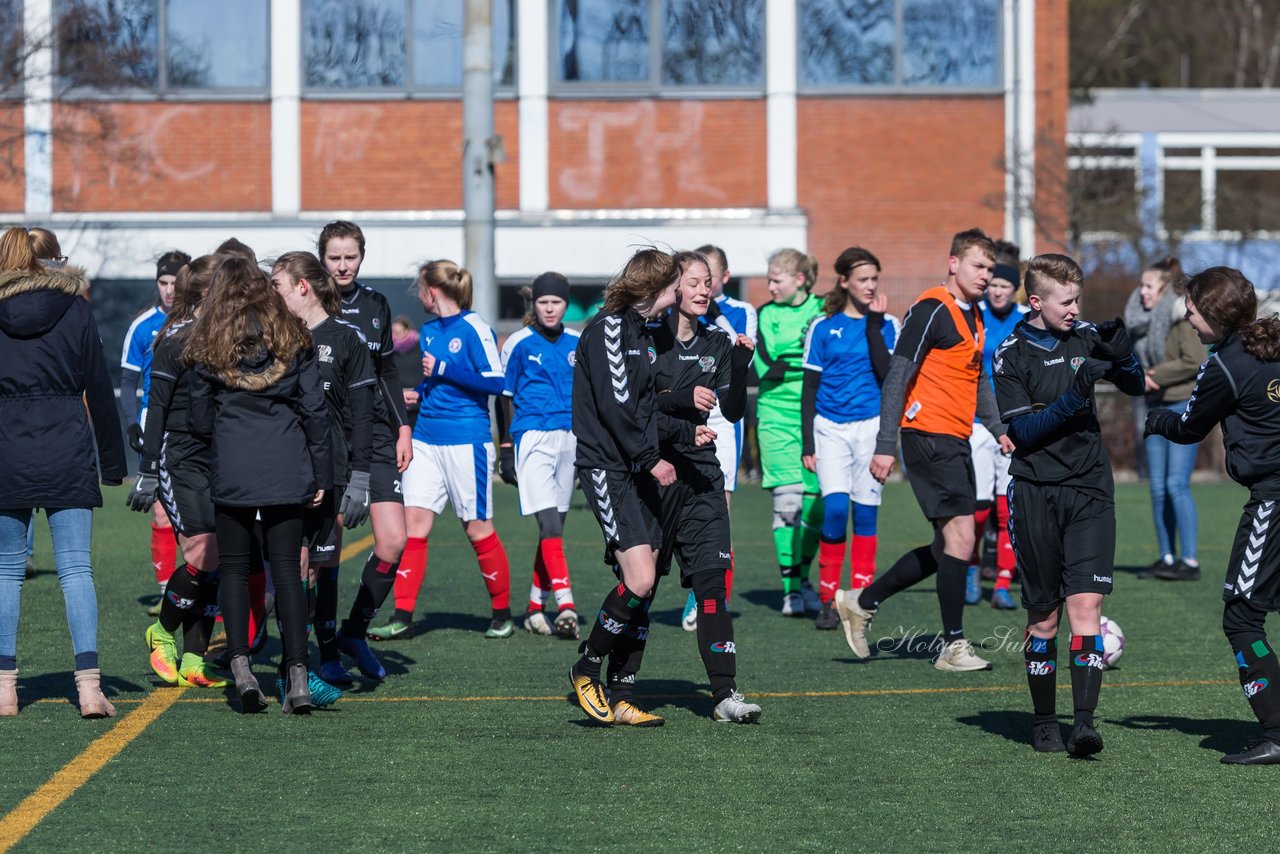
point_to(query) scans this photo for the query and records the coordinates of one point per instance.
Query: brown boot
(92, 702)
(8, 693)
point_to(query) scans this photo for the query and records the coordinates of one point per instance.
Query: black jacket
(51, 449)
(615, 418)
(1243, 393)
(270, 430)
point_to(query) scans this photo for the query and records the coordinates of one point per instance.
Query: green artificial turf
(470, 744)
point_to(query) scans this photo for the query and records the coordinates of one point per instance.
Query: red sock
(728, 578)
(541, 587)
(830, 568)
(552, 552)
(980, 517)
(257, 602)
(495, 571)
(1005, 559)
(164, 553)
(413, 569)
(862, 561)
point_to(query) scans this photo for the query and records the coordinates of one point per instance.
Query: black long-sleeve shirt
(368, 311)
(1242, 393)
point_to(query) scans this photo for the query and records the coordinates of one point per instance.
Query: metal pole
(477, 156)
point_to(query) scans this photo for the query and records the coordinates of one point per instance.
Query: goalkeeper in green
(797, 502)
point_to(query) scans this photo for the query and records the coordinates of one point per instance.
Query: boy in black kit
(1061, 497)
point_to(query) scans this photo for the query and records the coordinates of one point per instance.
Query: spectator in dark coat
(59, 434)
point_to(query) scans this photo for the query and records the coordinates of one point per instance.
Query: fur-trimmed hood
(32, 303)
(257, 372)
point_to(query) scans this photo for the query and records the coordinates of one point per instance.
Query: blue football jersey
(538, 377)
(138, 348)
(836, 347)
(454, 409)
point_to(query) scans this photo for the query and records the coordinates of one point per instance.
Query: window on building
(1183, 194)
(163, 45)
(1248, 201)
(1103, 200)
(12, 45)
(390, 45)
(899, 44)
(651, 44)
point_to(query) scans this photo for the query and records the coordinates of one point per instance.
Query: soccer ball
(1112, 642)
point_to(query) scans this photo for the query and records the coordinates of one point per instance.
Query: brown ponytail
(1228, 301)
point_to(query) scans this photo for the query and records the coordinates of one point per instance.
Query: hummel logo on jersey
(687, 358)
(633, 352)
(351, 311)
(1102, 579)
(726, 556)
(535, 357)
(839, 333)
(1058, 361)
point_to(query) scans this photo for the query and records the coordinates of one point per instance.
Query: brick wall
(12, 155)
(657, 154)
(401, 155)
(1051, 120)
(161, 156)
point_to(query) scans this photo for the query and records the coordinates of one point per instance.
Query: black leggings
(282, 536)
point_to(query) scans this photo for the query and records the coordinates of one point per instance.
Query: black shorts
(1253, 572)
(184, 484)
(627, 506)
(384, 477)
(940, 469)
(695, 523)
(321, 533)
(1064, 540)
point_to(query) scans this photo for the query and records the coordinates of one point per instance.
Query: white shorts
(544, 470)
(990, 465)
(459, 474)
(728, 446)
(843, 453)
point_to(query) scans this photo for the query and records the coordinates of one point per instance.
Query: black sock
(1086, 675)
(500, 614)
(715, 634)
(376, 582)
(625, 660)
(325, 619)
(1041, 656)
(912, 568)
(197, 624)
(620, 609)
(1259, 675)
(951, 578)
(181, 595)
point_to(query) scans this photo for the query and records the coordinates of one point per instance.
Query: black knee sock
(325, 618)
(620, 609)
(625, 660)
(181, 596)
(912, 568)
(1041, 656)
(715, 634)
(197, 624)
(1260, 679)
(1086, 675)
(951, 578)
(376, 582)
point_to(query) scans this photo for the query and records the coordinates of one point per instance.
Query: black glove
(135, 437)
(1154, 417)
(143, 495)
(1115, 345)
(507, 464)
(1089, 372)
(355, 500)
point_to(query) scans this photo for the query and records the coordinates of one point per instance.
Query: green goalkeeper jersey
(780, 354)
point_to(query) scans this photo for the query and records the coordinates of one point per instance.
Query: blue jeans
(71, 531)
(1171, 503)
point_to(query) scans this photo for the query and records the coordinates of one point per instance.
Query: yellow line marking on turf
(62, 785)
(352, 549)
(769, 695)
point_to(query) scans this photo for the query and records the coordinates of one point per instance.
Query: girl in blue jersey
(846, 358)
(135, 388)
(538, 452)
(453, 451)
